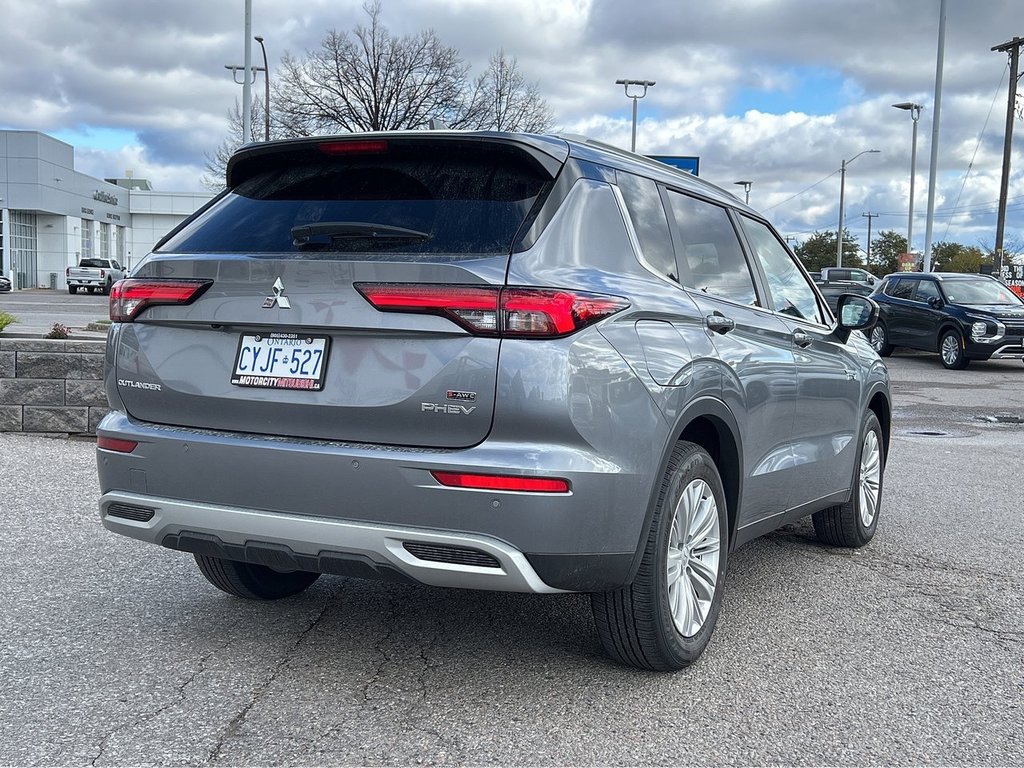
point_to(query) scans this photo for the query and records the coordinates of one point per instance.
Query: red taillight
(502, 482)
(490, 311)
(116, 444)
(129, 297)
(103, 273)
(363, 147)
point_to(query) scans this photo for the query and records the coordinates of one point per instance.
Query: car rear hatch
(268, 312)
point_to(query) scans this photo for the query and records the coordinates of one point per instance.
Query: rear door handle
(801, 339)
(720, 323)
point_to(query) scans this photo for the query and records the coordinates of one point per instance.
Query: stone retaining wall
(51, 385)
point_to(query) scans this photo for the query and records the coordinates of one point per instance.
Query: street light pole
(645, 84)
(746, 189)
(915, 114)
(842, 195)
(867, 254)
(266, 93)
(246, 89)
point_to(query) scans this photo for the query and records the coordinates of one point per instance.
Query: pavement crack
(235, 726)
(180, 697)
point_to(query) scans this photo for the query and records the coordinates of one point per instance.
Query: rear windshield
(93, 263)
(454, 199)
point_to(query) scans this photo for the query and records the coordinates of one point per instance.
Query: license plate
(280, 361)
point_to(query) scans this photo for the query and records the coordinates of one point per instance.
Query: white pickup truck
(94, 275)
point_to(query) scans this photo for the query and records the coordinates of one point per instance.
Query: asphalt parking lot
(909, 651)
(38, 309)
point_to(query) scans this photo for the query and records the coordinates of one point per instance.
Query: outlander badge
(278, 298)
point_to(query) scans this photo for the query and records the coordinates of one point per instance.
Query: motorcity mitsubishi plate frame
(274, 360)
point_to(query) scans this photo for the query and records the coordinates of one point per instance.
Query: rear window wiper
(303, 233)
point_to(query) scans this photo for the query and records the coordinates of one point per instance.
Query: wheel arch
(949, 324)
(709, 423)
(879, 403)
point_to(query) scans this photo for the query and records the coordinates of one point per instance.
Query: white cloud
(777, 91)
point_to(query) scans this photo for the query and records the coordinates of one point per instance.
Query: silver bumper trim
(312, 535)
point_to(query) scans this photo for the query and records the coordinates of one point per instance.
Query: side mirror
(935, 302)
(870, 280)
(854, 313)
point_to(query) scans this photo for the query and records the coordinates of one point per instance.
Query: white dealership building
(51, 215)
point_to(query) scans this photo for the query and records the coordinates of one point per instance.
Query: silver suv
(490, 361)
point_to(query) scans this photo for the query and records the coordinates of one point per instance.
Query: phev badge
(278, 298)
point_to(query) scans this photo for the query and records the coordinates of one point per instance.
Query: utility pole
(1013, 48)
(869, 217)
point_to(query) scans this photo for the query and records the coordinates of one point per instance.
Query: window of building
(104, 240)
(22, 247)
(86, 239)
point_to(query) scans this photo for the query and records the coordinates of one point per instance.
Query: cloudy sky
(778, 92)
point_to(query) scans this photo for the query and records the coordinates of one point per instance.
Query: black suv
(963, 317)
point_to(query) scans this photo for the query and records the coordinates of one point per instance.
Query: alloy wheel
(870, 477)
(950, 349)
(877, 338)
(694, 549)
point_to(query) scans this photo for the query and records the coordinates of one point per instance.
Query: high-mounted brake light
(493, 311)
(364, 147)
(503, 482)
(130, 296)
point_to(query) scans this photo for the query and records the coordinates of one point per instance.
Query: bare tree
(371, 81)
(217, 163)
(503, 100)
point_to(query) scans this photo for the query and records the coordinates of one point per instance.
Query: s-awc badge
(460, 397)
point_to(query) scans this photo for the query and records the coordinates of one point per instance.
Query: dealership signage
(1013, 276)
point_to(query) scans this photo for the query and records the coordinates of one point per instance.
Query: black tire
(951, 350)
(105, 290)
(879, 338)
(72, 289)
(844, 525)
(253, 582)
(636, 624)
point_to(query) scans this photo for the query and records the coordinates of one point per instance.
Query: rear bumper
(295, 542)
(248, 497)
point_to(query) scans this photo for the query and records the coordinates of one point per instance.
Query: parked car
(962, 317)
(833, 282)
(848, 274)
(489, 361)
(93, 275)
(5, 284)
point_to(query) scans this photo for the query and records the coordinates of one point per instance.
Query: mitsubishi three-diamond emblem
(278, 298)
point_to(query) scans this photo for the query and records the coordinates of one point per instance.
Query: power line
(977, 146)
(808, 189)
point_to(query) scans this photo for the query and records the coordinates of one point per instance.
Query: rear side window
(643, 202)
(450, 198)
(900, 289)
(708, 252)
